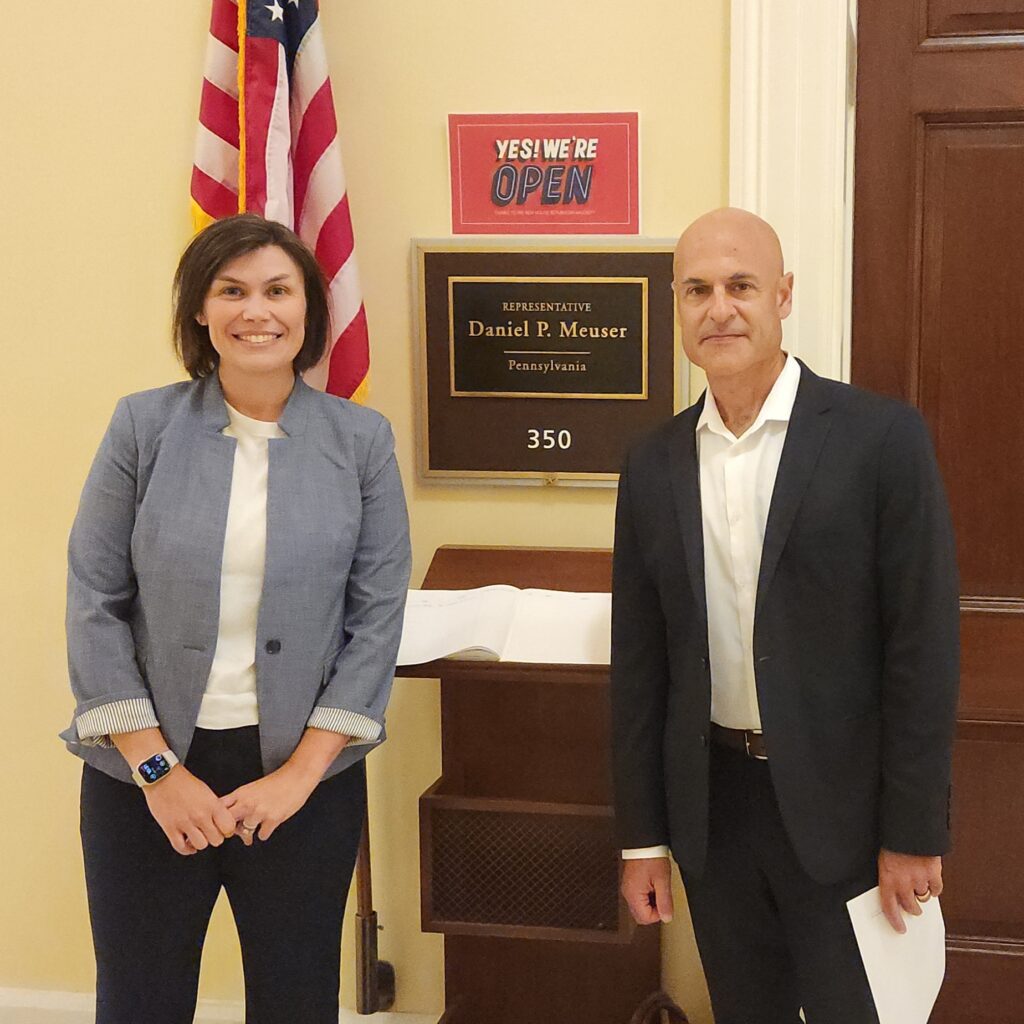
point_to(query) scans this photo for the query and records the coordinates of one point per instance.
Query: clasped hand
(193, 817)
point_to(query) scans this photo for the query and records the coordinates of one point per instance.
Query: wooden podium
(518, 856)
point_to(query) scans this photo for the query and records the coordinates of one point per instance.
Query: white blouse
(230, 698)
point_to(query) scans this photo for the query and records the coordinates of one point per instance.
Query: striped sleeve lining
(359, 727)
(96, 725)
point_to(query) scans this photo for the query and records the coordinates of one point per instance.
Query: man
(784, 651)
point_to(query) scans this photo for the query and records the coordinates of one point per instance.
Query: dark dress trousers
(855, 638)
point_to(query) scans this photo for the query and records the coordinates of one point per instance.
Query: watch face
(154, 769)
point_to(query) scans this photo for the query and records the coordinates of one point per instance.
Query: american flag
(267, 143)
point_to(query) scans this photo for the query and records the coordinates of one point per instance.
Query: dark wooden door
(938, 319)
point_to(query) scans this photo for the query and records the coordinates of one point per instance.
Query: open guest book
(503, 623)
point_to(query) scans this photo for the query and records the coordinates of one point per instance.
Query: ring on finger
(247, 828)
(923, 897)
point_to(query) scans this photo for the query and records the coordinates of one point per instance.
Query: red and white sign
(544, 174)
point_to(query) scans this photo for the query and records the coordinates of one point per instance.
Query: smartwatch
(153, 769)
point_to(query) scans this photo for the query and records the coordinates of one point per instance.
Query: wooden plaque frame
(539, 433)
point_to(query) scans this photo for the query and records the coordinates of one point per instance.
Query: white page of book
(904, 971)
(464, 623)
(561, 628)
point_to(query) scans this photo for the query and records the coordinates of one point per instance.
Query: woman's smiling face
(255, 311)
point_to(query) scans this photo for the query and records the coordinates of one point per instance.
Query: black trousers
(150, 907)
(771, 939)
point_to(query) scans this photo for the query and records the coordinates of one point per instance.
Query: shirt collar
(778, 406)
(246, 426)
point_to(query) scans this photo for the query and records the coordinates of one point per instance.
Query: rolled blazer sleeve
(110, 692)
(360, 680)
(919, 596)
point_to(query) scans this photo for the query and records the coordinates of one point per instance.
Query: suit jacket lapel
(288, 471)
(684, 474)
(808, 426)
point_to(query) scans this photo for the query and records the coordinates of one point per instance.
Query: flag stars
(276, 11)
(296, 2)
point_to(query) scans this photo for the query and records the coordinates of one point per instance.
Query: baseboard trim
(47, 1007)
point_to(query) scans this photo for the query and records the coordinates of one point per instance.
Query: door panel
(984, 897)
(992, 642)
(938, 320)
(971, 359)
(973, 17)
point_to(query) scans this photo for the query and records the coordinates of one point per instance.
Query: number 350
(548, 439)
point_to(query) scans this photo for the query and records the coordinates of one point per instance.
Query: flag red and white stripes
(267, 142)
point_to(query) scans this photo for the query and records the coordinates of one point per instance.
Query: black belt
(745, 740)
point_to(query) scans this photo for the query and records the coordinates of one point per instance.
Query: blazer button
(704, 663)
(272, 646)
(703, 739)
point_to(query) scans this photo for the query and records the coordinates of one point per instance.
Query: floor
(24, 1006)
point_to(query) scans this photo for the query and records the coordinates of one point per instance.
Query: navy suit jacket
(856, 643)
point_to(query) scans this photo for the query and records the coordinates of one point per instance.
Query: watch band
(155, 768)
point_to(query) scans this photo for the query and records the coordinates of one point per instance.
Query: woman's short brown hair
(220, 243)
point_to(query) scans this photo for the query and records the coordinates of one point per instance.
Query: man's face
(731, 295)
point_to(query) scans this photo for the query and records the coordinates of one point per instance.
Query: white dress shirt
(737, 478)
(230, 698)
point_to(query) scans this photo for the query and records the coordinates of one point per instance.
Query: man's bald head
(732, 294)
(730, 229)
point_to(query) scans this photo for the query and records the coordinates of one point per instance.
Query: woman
(237, 576)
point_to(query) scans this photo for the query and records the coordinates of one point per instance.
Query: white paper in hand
(905, 971)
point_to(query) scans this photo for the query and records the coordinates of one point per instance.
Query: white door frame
(792, 78)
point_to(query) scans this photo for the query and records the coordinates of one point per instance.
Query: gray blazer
(144, 568)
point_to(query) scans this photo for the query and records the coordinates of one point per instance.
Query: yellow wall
(97, 148)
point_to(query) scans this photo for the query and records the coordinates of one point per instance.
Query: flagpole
(375, 978)
(242, 24)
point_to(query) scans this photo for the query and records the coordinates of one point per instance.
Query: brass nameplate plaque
(548, 337)
(542, 363)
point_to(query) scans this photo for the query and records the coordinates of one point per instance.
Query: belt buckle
(746, 746)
